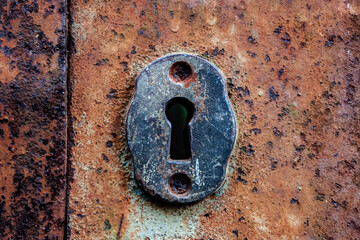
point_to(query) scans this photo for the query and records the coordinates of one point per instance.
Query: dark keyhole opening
(179, 111)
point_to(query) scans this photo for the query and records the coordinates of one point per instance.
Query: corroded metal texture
(149, 131)
(32, 119)
(292, 69)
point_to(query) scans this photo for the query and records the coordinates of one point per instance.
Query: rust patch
(181, 72)
(32, 119)
(179, 184)
(292, 72)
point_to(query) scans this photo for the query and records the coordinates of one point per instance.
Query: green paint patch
(311, 155)
(177, 222)
(320, 197)
(107, 225)
(289, 110)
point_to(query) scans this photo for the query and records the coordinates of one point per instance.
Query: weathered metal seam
(68, 123)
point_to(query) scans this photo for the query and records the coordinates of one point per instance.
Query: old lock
(181, 128)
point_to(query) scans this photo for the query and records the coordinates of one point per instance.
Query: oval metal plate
(212, 128)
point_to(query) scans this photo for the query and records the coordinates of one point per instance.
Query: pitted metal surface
(291, 69)
(32, 119)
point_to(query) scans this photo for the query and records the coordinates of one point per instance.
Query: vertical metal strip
(69, 129)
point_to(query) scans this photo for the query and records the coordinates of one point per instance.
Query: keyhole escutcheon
(179, 112)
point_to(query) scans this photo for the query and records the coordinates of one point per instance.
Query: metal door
(68, 73)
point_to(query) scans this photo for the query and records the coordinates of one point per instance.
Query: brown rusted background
(292, 69)
(32, 119)
(293, 77)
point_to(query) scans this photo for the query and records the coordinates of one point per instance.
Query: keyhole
(179, 111)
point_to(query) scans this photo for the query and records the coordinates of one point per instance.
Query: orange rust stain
(292, 75)
(182, 73)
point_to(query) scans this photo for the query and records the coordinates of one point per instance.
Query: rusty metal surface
(292, 69)
(32, 119)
